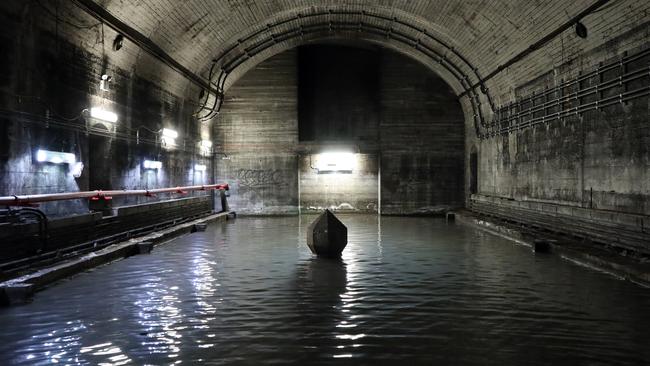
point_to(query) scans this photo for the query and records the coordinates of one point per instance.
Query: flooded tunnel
(483, 167)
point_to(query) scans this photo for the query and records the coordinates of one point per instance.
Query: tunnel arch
(394, 29)
(480, 40)
(471, 106)
(416, 119)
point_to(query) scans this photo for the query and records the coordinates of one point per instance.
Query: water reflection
(406, 291)
(109, 354)
(320, 286)
(327, 301)
(160, 317)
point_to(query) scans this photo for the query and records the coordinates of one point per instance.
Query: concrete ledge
(43, 277)
(7, 230)
(74, 220)
(636, 221)
(140, 208)
(622, 230)
(581, 253)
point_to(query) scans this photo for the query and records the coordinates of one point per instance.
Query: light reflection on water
(407, 290)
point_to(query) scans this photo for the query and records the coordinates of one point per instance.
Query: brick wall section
(488, 33)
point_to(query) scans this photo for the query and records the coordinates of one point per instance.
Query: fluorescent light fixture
(169, 138)
(103, 114)
(169, 133)
(54, 157)
(151, 164)
(200, 168)
(336, 162)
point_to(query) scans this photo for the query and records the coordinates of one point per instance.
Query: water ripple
(407, 290)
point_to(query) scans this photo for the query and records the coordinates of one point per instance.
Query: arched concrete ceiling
(486, 33)
(462, 41)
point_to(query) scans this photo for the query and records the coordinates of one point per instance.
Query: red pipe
(27, 200)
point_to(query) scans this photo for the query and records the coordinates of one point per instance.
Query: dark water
(408, 291)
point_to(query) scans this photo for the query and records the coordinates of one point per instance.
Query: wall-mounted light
(166, 132)
(104, 82)
(343, 162)
(206, 147)
(55, 157)
(169, 136)
(103, 114)
(200, 168)
(151, 164)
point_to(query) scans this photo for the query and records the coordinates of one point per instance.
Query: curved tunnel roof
(473, 45)
(467, 34)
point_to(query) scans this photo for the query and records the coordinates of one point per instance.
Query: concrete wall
(51, 76)
(258, 131)
(421, 140)
(383, 105)
(356, 191)
(585, 173)
(598, 159)
(339, 93)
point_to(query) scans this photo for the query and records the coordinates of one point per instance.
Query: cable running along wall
(504, 119)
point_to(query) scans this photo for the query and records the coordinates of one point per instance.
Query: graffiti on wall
(251, 179)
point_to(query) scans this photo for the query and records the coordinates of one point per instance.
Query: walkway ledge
(20, 290)
(574, 250)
